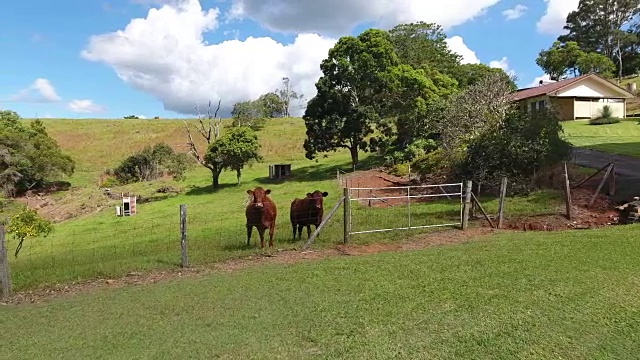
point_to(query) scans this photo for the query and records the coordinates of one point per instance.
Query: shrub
(29, 157)
(605, 117)
(27, 223)
(152, 163)
(400, 170)
(523, 144)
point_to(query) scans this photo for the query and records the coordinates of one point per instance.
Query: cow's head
(258, 196)
(317, 198)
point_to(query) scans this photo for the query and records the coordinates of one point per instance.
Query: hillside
(633, 105)
(96, 145)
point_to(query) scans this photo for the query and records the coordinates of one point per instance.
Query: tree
(595, 63)
(287, 94)
(349, 94)
(559, 59)
(233, 151)
(482, 106)
(601, 26)
(271, 105)
(423, 45)
(29, 157)
(470, 74)
(210, 132)
(27, 223)
(414, 101)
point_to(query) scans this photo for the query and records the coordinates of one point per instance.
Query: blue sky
(159, 65)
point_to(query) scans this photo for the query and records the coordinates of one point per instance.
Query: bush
(29, 157)
(522, 145)
(152, 163)
(605, 117)
(400, 170)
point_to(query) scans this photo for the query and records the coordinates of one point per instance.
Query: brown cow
(307, 212)
(261, 213)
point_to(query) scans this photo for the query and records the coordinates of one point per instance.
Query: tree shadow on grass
(208, 190)
(322, 172)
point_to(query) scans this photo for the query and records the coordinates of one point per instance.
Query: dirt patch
(440, 238)
(377, 188)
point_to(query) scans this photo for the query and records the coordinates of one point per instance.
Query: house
(581, 97)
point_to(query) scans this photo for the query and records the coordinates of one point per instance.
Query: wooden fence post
(503, 195)
(5, 275)
(467, 204)
(567, 192)
(183, 235)
(347, 212)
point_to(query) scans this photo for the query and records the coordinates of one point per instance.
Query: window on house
(542, 104)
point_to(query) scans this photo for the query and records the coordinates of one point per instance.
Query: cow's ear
(268, 191)
(308, 194)
(325, 194)
(250, 192)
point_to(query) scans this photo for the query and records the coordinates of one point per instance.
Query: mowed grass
(564, 295)
(622, 138)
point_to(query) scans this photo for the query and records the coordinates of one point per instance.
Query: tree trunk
(354, 156)
(238, 175)
(216, 178)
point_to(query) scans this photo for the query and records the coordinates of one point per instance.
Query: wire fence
(108, 246)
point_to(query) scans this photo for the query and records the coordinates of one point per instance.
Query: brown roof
(554, 87)
(545, 89)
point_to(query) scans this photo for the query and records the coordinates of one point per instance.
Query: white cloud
(164, 55)
(502, 64)
(457, 45)
(336, 17)
(84, 106)
(555, 18)
(515, 13)
(40, 91)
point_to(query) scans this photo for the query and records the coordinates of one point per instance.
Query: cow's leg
(249, 230)
(261, 232)
(300, 227)
(295, 227)
(272, 230)
(308, 231)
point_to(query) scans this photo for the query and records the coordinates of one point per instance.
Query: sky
(113, 58)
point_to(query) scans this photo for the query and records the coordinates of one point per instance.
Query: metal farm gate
(402, 196)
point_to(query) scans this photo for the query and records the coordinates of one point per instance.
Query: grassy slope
(103, 245)
(570, 295)
(622, 138)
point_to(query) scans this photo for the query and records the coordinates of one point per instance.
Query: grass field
(622, 138)
(563, 295)
(98, 244)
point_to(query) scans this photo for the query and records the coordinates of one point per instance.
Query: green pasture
(99, 244)
(561, 295)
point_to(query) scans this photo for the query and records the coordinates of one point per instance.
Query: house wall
(591, 108)
(526, 103)
(564, 107)
(590, 88)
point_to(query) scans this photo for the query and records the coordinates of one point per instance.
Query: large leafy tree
(29, 157)
(562, 59)
(422, 44)
(470, 74)
(606, 27)
(350, 94)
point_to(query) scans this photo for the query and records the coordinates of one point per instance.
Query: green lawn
(622, 138)
(563, 295)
